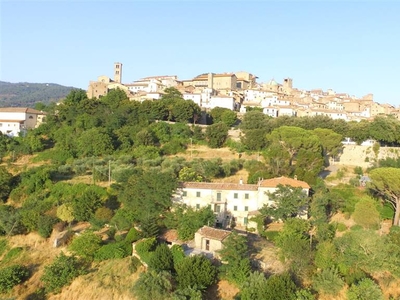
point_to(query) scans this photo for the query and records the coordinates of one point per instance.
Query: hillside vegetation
(28, 94)
(101, 176)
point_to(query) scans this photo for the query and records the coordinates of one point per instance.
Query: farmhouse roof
(213, 233)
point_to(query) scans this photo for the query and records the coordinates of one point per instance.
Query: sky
(348, 46)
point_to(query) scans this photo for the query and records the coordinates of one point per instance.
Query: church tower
(117, 72)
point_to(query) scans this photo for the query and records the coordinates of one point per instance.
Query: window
(246, 208)
(197, 194)
(30, 117)
(217, 208)
(245, 221)
(184, 193)
(218, 196)
(235, 195)
(235, 208)
(246, 196)
(1, 124)
(197, 206)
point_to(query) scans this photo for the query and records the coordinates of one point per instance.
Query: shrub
(144, 248)
(161, 259)
(133, 235)
(366, 289)
(328, 281)
(45, 225)
(113, 250)
(13, 253)
(85, 245)
(195, 271)
(61, 272)
(134, 264)
(341, 227)
(11, 276)
(271, 235)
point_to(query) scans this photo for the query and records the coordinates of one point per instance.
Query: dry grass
(201, 151)
(109, 280)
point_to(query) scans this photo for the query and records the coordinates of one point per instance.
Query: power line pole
(109, 172)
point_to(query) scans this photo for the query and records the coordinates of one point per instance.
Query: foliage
(145, 248)
(187, 294)
(5, 183)
(386, 183)
(331, 141)
(45, 225)
(10, 221)
(153, 285)
(364, 290)
(188, 220)
(134, 264)
(115, 250)
(12, 254)
(149, 192)
(195, 271)
(177, 254)
(328, 281)
(61, 272)
(294, 244)
(216, 135)
(366, 213)
(280, 287)
(234, 254)
(223, 115)
(11, 276)
(65, 213)
(288, 201)
(294, 151)
(254, 288)
(85, 245)
(133, 235)
(29, 94)
(161, 259)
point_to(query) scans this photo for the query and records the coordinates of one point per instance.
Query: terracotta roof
(274, 182)
(12, 121)
(219, 186)
(21, 109)
(213, 233)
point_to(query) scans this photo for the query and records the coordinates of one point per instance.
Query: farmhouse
(14, 120)
(234, 201)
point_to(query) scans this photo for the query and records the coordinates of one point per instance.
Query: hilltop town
(241, 92)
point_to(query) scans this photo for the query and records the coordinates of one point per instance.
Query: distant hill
(27, 94)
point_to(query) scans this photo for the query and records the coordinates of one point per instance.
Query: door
(207, 245)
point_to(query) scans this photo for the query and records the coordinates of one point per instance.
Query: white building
(233, 200)
(14, 120)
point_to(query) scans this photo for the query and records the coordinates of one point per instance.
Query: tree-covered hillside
(27, 94)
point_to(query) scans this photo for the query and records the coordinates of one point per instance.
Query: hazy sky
(351, 47)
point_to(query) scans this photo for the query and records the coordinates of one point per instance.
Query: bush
(134, 264)
(61, 272)
(133, 235)
(85, 245)
(113, 250)
(45, 225)
(328, 281)
(195, 271)
(271, 235)
(341, 227)
(13, 253)
(11, 276)
(366, 289)
(161, 259)
(145, 248)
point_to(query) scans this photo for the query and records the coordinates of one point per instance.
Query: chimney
(241, 181)
(295, 177)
